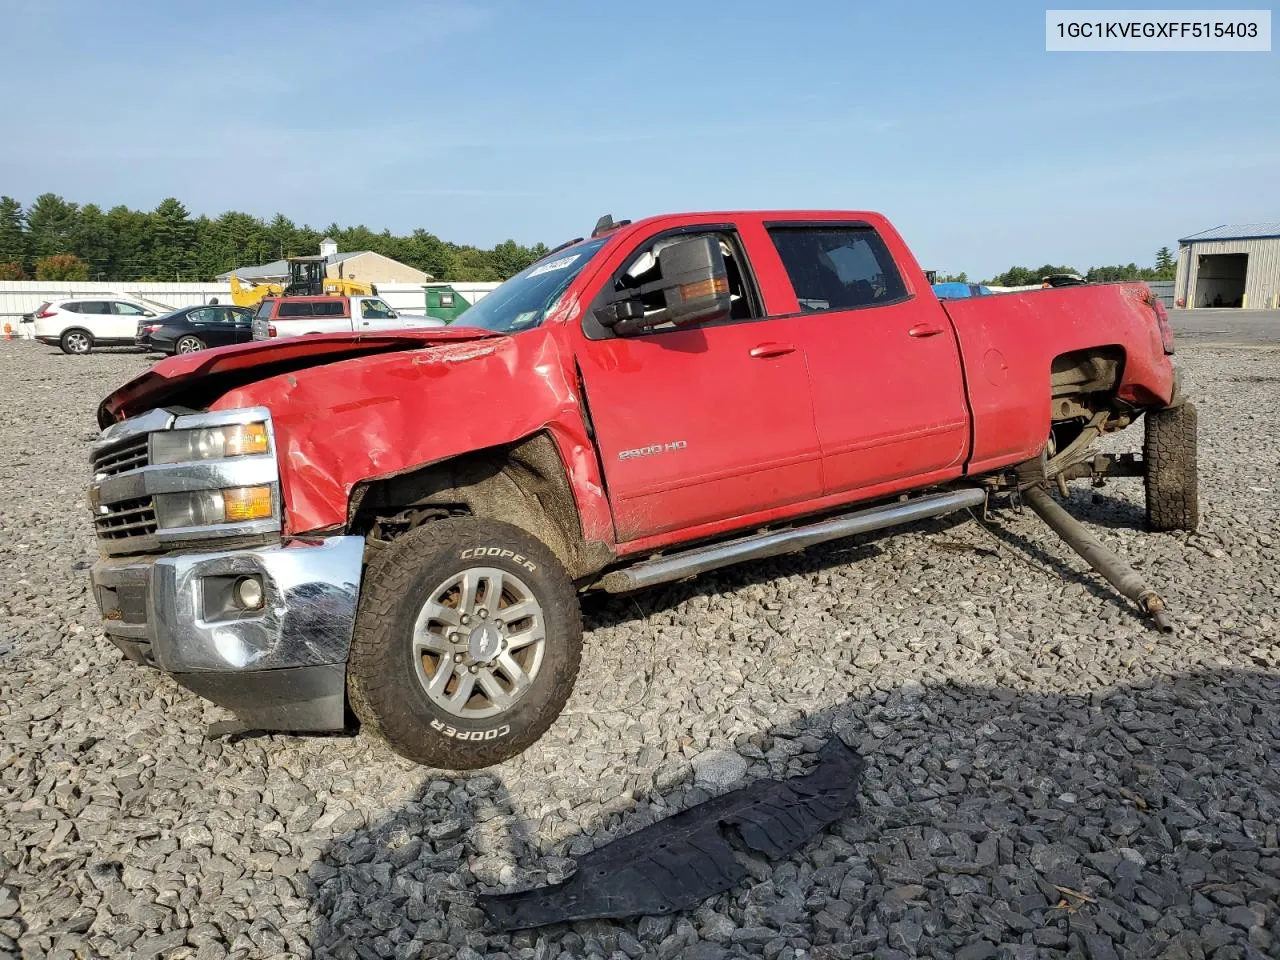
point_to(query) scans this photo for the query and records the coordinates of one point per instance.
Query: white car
(299, 316)
(77, 326)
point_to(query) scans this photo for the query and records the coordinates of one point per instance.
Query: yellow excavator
(306, 279)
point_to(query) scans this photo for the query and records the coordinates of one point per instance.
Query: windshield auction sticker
(1158, 31)
(554, 265)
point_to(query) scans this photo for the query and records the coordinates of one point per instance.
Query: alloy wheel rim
(479, 642)
(77, 343)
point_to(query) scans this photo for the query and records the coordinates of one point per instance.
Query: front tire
(189, 344)
(467, 644)
(1172, 478)
(76, 342)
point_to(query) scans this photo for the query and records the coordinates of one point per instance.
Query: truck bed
(1024, 332)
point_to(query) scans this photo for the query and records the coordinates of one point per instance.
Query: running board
(690, 563)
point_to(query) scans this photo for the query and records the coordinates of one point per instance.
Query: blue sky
(481, 121)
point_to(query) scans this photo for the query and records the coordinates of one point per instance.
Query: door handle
(763, 351)
(924, 330)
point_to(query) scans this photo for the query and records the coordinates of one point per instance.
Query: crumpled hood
(198, 379)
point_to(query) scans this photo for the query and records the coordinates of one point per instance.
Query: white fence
(18, 297)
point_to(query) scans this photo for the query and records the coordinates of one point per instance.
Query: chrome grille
(127, 456)
(128, 518)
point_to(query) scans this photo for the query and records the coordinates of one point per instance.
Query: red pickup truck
(401, 522)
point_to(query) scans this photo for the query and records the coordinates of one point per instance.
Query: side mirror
(621, 316)
(695, 282)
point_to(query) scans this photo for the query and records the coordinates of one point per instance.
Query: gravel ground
(1047, 776)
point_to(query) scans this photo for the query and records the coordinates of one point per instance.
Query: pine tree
(50, 224)
(13, 236)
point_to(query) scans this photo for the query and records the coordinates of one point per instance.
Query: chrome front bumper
(278, 667)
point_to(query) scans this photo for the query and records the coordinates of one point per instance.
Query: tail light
(149, 328)
(46, 313)
(271, 329)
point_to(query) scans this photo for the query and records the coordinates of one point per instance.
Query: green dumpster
(444, 302)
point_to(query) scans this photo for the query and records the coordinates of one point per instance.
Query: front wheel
(1172, 480)
(467, 644)
(189, 344)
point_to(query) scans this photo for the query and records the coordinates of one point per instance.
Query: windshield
(524, 301)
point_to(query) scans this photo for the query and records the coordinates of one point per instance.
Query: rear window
(264, 309)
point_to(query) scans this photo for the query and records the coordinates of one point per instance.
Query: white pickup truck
(297, 316)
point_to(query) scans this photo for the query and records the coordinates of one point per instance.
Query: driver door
(703, 423)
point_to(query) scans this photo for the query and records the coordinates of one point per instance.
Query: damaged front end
(680, 861)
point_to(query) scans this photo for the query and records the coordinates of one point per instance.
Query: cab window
(375, 310)
(837, 267)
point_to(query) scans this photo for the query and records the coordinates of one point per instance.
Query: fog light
(249, 593)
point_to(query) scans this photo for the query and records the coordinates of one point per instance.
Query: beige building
(364, 265)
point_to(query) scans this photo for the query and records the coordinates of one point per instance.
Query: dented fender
(377, 416)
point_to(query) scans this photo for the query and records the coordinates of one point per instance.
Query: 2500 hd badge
(652, 449)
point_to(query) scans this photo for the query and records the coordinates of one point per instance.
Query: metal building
(1235, 265)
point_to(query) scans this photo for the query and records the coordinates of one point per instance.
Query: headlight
(210, 443)
(202, 508)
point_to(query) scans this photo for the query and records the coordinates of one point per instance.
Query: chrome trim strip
(246, 528)
(189, 476)
(223, 418)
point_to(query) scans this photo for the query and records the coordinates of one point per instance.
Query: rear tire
(189, 344)
(412, 654)
(1172, 479)
(76, 342)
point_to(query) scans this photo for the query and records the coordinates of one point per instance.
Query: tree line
(1165, 268)
(55, 239)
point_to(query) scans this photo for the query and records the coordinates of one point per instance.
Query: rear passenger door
(886, 375)
(241, 322)
(212, 325)
(97, 318)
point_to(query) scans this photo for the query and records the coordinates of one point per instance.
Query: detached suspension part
(1118, 573)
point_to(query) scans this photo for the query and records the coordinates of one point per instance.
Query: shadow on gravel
(1104, 510)
(1137, 821)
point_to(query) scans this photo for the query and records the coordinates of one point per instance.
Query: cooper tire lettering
(493, 733)
(477, 553)
(383, 679)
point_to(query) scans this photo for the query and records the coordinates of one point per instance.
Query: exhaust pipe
(1116, 572)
